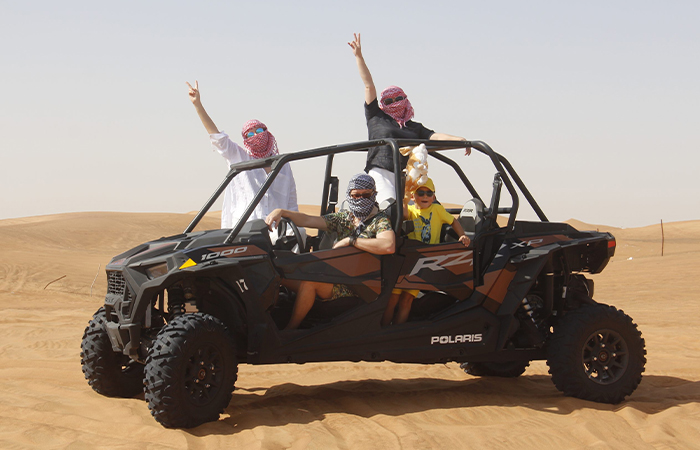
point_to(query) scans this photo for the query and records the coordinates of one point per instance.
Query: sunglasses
(252, 133)
(363, 195)
(389, 101)
(424, 193)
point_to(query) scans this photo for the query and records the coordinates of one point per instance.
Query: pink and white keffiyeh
(400, 111)
(260, 145)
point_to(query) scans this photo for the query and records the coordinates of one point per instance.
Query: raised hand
(194, 92)
(355, 45)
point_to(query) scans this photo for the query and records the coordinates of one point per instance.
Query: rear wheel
(596, 353)
(190, 371)
(108, 372)
(509, 369)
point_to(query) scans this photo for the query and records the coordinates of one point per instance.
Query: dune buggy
(181, 312)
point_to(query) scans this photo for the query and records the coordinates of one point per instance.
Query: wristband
(353, 239)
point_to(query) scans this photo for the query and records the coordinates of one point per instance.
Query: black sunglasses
(389, 101)
(424, 193)
(363, 195)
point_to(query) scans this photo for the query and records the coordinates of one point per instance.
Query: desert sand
(52, 280)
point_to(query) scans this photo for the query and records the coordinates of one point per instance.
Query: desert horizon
(52, 280)
(584, 112)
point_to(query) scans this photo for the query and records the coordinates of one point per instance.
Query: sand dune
(46, 403)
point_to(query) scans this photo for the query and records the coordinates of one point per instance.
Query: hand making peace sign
(355, 45)
(194, 92)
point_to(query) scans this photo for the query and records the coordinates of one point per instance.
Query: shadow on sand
(291, 403)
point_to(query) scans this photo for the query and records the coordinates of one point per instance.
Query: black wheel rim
(605, 357)
(204, 375)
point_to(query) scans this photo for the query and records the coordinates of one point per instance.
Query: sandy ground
(46, 403)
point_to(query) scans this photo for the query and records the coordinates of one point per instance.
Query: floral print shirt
(341, 223)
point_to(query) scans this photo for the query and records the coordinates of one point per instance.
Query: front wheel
(108, 372)
(190, 371)
(596, 353)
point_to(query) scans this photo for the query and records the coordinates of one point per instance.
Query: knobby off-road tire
(596, 353)
(108, 373)
(509, 369)
(190, 371)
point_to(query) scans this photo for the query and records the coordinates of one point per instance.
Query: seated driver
(364, 227)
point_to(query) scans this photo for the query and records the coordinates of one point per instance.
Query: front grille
(116, 284)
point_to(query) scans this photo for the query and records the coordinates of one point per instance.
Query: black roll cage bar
(504, 168)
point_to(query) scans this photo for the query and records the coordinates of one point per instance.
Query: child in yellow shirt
(428, 218)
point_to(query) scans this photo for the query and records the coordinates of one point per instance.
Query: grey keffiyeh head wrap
(361, 207)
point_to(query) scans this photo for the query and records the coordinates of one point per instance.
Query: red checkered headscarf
(401, 111)
(260, 145)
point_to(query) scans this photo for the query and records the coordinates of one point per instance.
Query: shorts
(340, 291)
(413, 292)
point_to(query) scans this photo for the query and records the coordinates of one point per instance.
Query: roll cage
(505, 175)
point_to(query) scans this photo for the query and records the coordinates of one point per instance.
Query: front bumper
(123, 336)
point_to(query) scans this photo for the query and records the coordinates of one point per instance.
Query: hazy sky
(596, 104)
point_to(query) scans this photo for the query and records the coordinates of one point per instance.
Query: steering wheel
(288, 242)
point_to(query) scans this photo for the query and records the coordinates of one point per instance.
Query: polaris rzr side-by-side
(181, 312)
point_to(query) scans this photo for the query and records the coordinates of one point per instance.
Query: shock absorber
(529, 324)
(529, 310)
(175, 310)
(176, 302)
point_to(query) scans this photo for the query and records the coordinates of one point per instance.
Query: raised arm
(203, 116)
(449, 137)
(370, 90)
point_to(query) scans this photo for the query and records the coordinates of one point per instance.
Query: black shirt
(380, 125)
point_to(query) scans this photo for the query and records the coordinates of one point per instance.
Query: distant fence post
(662, 237)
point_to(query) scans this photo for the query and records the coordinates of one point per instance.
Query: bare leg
(389, 311)
(405, 303)
(292, 285)
(308, 291)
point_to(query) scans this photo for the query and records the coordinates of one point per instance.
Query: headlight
(157, 270)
